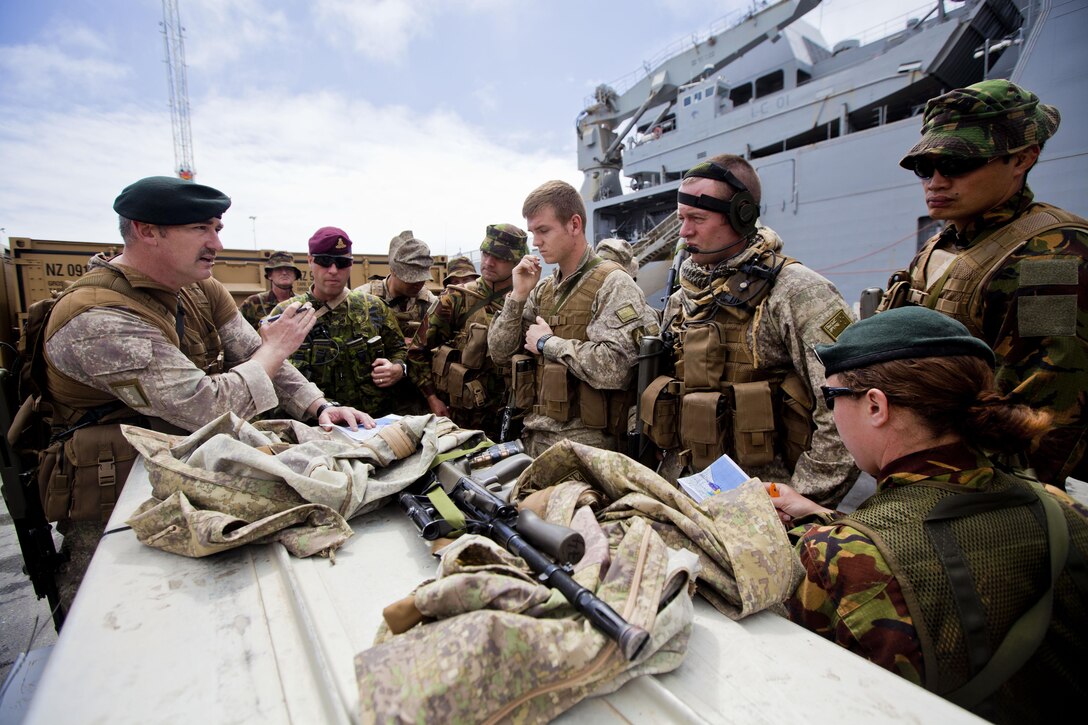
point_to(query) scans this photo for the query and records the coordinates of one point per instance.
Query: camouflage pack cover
(984, 120)
(503, 647)
(746, 561)
(232, 483)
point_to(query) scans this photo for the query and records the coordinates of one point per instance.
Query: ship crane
(174, 44)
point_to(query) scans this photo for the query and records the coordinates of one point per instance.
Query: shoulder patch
(131, 393)
(1047, 271)
(836, 324)
(627, 313)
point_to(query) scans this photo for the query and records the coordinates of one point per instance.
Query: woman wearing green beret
(956, 575)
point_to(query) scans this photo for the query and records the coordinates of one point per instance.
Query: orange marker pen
(773, 490)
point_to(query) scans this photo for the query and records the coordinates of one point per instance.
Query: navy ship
(824, 127)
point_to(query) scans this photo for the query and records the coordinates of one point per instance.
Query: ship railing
(659, 242)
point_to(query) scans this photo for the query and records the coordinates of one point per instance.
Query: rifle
(510, 429)
(17, 482)
(485, 513)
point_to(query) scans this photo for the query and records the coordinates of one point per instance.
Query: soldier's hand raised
(525, 276)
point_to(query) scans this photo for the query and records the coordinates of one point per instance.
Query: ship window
(770, 83)
(741, 94)
(687, 100)
(710, 91)
(698, 95)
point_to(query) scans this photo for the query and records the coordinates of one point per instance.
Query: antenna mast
(174, 43)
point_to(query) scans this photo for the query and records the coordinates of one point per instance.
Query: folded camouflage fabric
(240, 482)
(747, 563)
(505, 647)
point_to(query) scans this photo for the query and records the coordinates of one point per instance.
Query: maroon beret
(330, 240)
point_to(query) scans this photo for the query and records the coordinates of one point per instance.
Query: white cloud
(220, 31)
(379, 29)
(327, 160)
(71, 60)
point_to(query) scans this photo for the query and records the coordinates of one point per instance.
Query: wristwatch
(541, 341)
(404, 367)
(325, 406)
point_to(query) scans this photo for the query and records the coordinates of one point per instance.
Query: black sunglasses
(831, 393)
(327, 260)
(949, 166)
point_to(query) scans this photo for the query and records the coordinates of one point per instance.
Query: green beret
(906, 332)
(170, 201)
(985, 120)
(505, 241)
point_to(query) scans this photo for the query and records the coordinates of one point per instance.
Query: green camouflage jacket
(1035, 317)
(256, 307)
(336, 355)
(849, 594)
(447, 325)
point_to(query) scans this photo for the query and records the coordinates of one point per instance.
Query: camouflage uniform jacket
(801, 309)
(1035, 317)
(344, 325)
(256, 307)
(111, 349)
(850, 593)
(410, 312)
(447, 324)
(605, 360)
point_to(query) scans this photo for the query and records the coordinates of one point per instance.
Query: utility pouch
(53, 482)
(474, 396)
(704, 357)
(322, 352)
(898, 295)
(592, 405)
(440, 366)
(523, 381)
(753, 423)
(359, 350)
(475, 353)
(554, 399)
(85, 473)
(457, 379)
(795, 418)
(704, 425)
(659, 412)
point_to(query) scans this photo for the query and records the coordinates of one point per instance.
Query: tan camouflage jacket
(104, 348)
(410, 312)
(606, 360)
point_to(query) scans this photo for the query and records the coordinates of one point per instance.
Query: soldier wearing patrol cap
(460, 270)
(404, 290)
(1013, 270)
(150, 338)
(355, 351)
(448, 357)
(281, 274)
(743, 325)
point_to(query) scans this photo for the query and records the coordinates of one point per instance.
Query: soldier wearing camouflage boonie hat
(1008, 267)
(460, 270)
(619, 251)
(984, 120)
(260, 305)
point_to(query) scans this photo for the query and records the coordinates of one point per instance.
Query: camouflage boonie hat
(619, 251)
(460, 267)
(505, 241)
(985, 120)
(410, 258)
(278, 260)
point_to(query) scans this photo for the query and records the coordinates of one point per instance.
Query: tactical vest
(558, 393)
(411, 318)
(719, 402)
(81, 472)
(960, 291)
(976, 567)
(457, 368)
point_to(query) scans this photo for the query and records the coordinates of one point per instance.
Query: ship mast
(174, 44)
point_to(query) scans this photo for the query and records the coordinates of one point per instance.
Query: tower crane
(174, 44)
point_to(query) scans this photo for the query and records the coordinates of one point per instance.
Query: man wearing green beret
(448, 358)
(281, 274)
(150, 338)
(1010, 268)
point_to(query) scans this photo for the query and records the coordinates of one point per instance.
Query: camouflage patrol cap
(985, 120)
(460, 267)
(900, 334)
(332, 241)
(279, 260)
(170, 201)
(410, 258)
(505, 241)
(619, 250)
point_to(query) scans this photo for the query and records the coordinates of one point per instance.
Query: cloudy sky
(373, 115)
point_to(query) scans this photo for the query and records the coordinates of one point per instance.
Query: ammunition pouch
(753, 423)
(523, 381)
(556, 395)
(80, 478)
(593, 406)
(704, 426)
(465, 392)
(440, 366)
(659, 411)
(474, 354)
(703, 364)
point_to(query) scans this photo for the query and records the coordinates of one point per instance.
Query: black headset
(741, 211)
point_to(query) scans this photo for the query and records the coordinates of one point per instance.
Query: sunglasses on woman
(327, 260)
(948, 166)
(831, 393)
